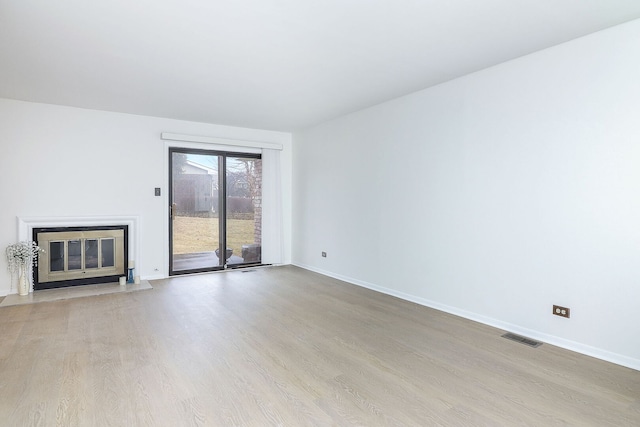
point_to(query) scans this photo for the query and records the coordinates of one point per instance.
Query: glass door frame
(222, 205)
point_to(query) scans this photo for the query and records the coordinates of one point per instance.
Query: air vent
(522, 340)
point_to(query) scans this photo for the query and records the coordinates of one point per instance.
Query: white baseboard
(153, 277)
(587, 350)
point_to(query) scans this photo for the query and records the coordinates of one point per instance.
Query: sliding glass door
(215, 210)
(244, 209)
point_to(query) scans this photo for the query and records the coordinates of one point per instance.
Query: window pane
(108, 252)
(91, 253)
(56, 256)
(244, 210)
(75, 254)
(195, 222)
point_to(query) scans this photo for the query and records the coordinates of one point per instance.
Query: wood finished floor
(283, 346)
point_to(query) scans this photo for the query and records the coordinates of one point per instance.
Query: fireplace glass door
(80, 255)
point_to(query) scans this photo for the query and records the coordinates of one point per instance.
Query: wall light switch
(157, 191)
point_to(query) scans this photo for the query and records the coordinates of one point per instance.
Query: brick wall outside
(257, 204)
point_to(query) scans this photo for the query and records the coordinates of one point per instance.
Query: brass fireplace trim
(45, 275)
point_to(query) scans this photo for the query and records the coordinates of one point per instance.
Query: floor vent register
(522, 340)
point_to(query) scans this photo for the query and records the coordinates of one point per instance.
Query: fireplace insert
(80, 255)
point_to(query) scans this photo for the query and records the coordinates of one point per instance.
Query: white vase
(23, 283)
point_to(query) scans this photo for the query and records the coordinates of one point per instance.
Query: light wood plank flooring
(284, 346)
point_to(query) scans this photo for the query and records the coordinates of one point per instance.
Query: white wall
(62, 161)
(493, 196)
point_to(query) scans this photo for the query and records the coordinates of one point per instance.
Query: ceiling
(269, 64)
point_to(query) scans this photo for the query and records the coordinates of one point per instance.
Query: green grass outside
(201, 234)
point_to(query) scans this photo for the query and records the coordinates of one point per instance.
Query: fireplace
(80, 255)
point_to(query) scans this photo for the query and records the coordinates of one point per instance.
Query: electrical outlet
(561, 311)
(324, 254)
